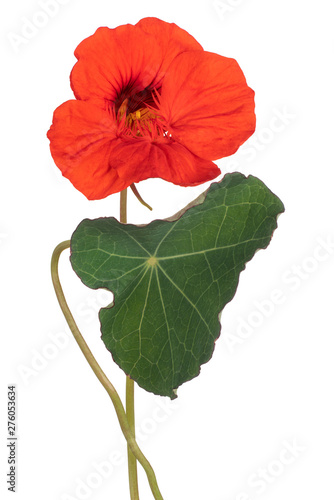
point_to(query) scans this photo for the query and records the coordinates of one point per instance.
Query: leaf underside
(171, 279)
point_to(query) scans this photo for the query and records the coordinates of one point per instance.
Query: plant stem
(139, 198)
(129, 398)
(132, 461)
(123, 207)
(116, 400)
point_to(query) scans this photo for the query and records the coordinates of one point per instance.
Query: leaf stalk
(118, 405)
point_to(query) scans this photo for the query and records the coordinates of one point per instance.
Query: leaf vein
(187, 298)
(166, 319)
(200, 252)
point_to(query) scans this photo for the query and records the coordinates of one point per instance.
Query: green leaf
(172, 278)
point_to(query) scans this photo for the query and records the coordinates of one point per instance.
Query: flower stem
(123, 207)
(129, 398)
(119, 408)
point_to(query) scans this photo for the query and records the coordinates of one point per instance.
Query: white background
(270, 382)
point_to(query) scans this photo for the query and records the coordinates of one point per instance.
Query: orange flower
(150, 102)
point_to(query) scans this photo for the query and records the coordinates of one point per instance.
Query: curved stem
(129, 398)
(140, 199)
(119, 408)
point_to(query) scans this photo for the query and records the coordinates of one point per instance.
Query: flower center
(140, 118)
(141, 122)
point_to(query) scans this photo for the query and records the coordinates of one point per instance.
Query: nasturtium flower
(150, 102)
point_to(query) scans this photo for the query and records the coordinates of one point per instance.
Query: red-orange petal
(138, 159)
(207, 104)
(86, 146)
(127, 59)
(82, 137)
(172, 40)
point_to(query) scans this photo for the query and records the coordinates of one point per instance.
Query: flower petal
(113, 61)
(172, 40)
(86, 146)
(138, 159)
(207, 105)
(82, 137)
(127, 59)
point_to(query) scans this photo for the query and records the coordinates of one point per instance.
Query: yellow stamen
(139, 121)
(123, 108)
